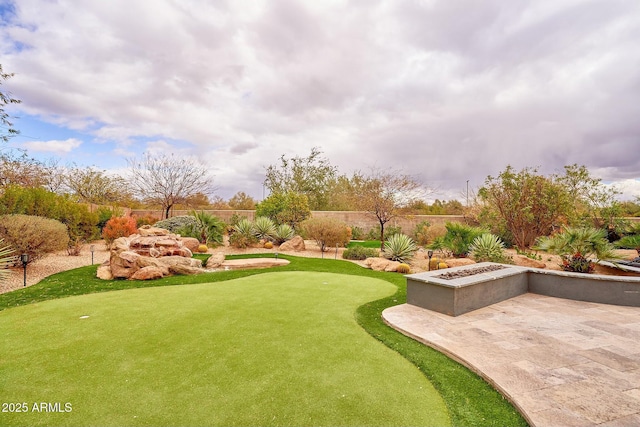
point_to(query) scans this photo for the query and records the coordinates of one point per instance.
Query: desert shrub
(403, 268)
(357, 233)
(119, 226)
(264, 228)
(145, 220)
(488, 247)
(176, 223)
(104, 214)
(390, 230)
(243, 234)
(8, 257)
(327, 232)
(399, 247)
(421, 233)
(360, 253)
(33, 235)
(283, 233)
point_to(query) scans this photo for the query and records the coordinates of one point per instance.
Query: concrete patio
(560, 362)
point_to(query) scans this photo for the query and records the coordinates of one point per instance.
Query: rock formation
(294, 245)
(151, 254)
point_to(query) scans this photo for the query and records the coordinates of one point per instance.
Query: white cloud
(53, 146)
(451, 91)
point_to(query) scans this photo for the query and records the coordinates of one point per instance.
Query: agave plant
(399, 247)
(488, 247)
(578, 246)
(283, 233)
(264, 228)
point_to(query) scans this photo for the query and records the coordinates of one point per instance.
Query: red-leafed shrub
(119, 226)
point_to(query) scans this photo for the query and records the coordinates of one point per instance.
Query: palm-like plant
(208, 228)
(578, 246)
(399, 247)
(631, 242)
(264, 228)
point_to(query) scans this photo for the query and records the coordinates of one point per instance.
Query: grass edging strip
(470, 400)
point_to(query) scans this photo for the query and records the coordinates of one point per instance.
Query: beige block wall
(363, 220)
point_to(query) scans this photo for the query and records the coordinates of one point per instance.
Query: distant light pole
(92, 248)
(467, 193)
(25, 260)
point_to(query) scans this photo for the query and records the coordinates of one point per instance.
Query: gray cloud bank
(447, 90)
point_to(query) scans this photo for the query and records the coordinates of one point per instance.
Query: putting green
(271, 349)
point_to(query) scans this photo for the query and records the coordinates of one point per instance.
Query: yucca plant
(577, 247)
(488, 247)
(6, 259)
(264, 228)
(283, 233)
(399, 247)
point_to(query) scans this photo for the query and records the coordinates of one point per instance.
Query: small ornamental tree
(120, 226)
(285, 208)
(327, 232)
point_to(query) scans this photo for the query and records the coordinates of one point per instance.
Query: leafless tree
(168, 179)
(383, 194)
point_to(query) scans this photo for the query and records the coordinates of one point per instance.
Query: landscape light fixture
(25, 260)
(429, 254)
(92, 248)
(276, 253)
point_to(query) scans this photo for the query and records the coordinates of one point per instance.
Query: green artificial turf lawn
(279, 348)
(365, 243)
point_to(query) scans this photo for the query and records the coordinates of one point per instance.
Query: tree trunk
(381, 236)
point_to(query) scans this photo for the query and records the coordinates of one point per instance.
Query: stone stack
(151, 254)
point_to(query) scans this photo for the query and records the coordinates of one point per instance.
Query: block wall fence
(352, 218)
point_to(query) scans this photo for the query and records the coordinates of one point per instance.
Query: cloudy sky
(446, 90)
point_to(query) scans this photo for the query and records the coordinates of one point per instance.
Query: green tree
(309, 175)
(285, 208)
(7, 130)
(523, 205)
(594, 203)
(242, 201)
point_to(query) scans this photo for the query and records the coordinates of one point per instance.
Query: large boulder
(148, 230)
(294, 245)
(104, 271)
(147, 273)
(381, 264)
(215, 260)
(459, 262)
(191, 243)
